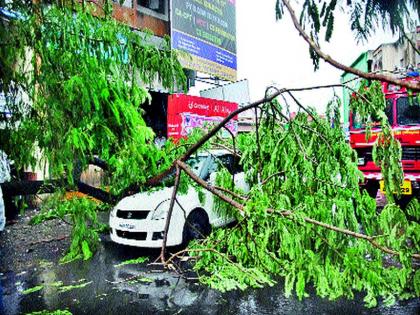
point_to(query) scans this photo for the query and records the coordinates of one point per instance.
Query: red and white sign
(186, 112)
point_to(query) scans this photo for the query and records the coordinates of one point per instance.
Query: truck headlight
(361, 161)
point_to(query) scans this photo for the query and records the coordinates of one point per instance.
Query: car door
(232, 165)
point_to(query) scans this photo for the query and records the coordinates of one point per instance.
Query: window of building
(125, 3)
(156, 8)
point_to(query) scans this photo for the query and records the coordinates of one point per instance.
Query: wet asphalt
(29, 257)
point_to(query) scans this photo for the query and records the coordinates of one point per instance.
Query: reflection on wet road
(101, 287)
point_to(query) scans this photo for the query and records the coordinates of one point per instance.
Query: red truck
(403, 112)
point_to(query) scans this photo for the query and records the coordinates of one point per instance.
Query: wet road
(101, 287)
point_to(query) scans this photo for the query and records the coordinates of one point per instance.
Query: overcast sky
(272, 52)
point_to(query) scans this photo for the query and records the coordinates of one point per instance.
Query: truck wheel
(403, 201)
(197, 226)
(371, 188)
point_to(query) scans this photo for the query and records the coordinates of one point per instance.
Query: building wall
(139, 17)
(398, 55)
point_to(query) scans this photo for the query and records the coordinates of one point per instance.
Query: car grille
(139, 236)
(132, 215)
(408, 153)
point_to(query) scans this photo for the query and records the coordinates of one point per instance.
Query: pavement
(31, 279)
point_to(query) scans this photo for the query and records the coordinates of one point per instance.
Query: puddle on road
(99, 287)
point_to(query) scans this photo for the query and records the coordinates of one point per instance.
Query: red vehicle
(403, 112)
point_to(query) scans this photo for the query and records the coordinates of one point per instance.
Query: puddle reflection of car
(139, 220)
(156, 290)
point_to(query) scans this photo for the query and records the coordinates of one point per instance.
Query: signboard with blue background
(205, 30)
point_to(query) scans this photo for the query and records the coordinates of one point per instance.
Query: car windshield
(408, 111)
(358, 123)
(196, 163)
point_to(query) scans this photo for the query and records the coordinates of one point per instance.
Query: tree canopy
(364, 16)
(75, 81)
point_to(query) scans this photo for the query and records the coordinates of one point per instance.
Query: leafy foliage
(56, 312)
(76, 86)
(364, 17)
(308, 171)
(369, 103)
(67, 288)
(33, 289)
(76, 81)
(82, 213)
(135, 261)
(84, 87)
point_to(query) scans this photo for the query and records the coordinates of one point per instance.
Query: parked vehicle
(403, 111)
(4, 176)
(139, 220)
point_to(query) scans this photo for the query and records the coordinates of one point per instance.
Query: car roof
(215, 152)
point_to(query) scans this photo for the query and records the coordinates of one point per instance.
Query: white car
(139, 220)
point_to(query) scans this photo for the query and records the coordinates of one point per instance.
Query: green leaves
(135, 261)
(90, 75)
(369, 105)
(82, 214)
(32, 290)
(77, 82)
(308, 171)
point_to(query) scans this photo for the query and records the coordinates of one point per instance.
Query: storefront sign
(187, 112)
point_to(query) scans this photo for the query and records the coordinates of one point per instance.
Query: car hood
(145, 200)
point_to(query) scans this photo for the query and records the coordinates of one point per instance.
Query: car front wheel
(197, 226)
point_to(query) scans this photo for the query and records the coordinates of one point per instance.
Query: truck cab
(403, 112)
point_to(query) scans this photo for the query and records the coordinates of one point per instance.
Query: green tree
(75, 81)
(304, 218)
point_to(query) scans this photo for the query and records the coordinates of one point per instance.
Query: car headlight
(160, 212)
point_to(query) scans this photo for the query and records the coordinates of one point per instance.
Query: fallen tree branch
(157, 179)
(370, 239)
(289, 215)
(60, 238)
(270, 177)
(233, 194)
(209, 187)
(169, 216)
(338, 65)
(222, 146)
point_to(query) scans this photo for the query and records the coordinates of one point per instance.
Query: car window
(227, 160)
(196, 163)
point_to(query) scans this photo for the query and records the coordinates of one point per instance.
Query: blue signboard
(205, 31)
